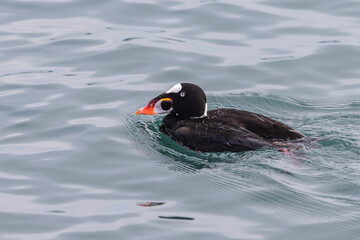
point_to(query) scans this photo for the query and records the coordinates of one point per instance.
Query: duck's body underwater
(189, 123)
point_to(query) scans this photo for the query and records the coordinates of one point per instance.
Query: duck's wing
(218, 140)
(265, 127)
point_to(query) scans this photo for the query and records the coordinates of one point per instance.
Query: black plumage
(190, 124)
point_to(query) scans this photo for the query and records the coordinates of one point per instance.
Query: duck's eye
(182, 94)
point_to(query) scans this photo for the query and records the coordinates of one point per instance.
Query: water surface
(76, 163)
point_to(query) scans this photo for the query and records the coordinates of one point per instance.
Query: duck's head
(185, 100)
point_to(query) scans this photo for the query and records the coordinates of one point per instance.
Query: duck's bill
(156, 106)
(148, 109)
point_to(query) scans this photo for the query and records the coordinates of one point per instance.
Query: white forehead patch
(175, 89)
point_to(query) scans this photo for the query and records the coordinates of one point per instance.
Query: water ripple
(76, 163)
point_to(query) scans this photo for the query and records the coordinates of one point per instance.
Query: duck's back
(227, 130)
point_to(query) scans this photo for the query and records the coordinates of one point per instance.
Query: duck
(189, 123)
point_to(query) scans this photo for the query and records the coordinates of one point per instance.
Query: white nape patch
(204, 114)
(175, 89)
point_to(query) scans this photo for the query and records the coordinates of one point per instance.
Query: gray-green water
(76, 163)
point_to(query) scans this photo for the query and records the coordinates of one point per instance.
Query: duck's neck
(203, 115)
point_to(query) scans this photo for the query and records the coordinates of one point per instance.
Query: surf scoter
(190, 123)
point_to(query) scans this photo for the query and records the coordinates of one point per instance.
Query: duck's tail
(296, 149)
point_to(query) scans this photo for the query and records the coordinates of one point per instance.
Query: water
(76, 163)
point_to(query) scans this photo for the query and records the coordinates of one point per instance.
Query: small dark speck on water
(330, 41)
(177, 218)
(150, 204)
(56, 211)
